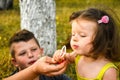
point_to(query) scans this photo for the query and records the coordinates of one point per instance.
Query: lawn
(10, 22)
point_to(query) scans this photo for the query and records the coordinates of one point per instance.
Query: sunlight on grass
(10, 23)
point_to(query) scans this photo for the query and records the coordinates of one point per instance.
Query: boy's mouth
(31, 62)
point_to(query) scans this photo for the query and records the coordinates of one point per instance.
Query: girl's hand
(57, 57)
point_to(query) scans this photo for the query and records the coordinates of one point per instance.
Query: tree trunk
(38, 16)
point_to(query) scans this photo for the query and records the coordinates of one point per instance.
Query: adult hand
(47, 66)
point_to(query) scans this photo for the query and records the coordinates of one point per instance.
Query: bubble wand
(63, 51)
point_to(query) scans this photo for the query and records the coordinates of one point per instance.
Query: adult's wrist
(34, 69)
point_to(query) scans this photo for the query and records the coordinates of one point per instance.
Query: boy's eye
(22, 53)
(34, 49)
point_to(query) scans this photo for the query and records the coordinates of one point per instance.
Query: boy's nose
(30, 54)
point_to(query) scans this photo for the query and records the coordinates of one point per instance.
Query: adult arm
(44, 65)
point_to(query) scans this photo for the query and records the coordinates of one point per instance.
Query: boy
(25, 51)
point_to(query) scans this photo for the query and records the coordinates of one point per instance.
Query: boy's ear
(13, 60)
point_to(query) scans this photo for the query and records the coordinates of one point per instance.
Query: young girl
(95, 45)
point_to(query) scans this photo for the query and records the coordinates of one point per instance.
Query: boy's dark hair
(22, 35)
(106, 41)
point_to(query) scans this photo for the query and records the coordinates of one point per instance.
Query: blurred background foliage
(10, 23)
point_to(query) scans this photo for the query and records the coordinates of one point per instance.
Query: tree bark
(38, 16)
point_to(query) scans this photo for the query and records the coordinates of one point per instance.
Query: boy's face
(26, 53)
(83, 33)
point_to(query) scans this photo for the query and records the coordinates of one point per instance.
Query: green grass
(10, 23)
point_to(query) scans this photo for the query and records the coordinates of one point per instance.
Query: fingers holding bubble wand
(59, 55)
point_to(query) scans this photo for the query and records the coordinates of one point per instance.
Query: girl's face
(83, 33)
(26, 53)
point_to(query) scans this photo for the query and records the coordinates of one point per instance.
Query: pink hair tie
(104, 19)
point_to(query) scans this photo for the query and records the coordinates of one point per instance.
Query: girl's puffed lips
(75, 46)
